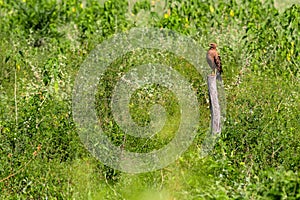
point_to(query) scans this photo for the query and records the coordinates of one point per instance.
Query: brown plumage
(214, 60)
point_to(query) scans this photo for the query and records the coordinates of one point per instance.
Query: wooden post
(215, 109)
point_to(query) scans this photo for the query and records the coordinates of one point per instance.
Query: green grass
(42, 47)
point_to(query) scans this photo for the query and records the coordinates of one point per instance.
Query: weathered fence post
(215, 109)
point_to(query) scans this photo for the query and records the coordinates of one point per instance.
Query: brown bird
(214, 60)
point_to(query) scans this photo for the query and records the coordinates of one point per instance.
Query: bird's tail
(219, 78)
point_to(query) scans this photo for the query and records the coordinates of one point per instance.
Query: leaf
(56, 87)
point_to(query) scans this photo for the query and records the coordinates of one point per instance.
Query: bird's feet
(213, 73)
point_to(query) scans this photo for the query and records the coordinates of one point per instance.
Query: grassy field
(42, 47)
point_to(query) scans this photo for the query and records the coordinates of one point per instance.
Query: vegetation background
(42, 46)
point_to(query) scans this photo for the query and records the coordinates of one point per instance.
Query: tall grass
(42, 47)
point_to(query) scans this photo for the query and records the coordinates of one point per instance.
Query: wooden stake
(215, 109)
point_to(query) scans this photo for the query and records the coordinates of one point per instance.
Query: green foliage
(43, 44)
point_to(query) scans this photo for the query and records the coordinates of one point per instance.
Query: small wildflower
(231, 13)
(212, 10)
(73, 9)
(288, 57)
(18, 67)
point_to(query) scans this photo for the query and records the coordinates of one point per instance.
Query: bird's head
(213, 45)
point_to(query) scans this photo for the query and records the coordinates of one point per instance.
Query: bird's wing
(217, 60)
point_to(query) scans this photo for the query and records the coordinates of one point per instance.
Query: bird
(214, 60)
